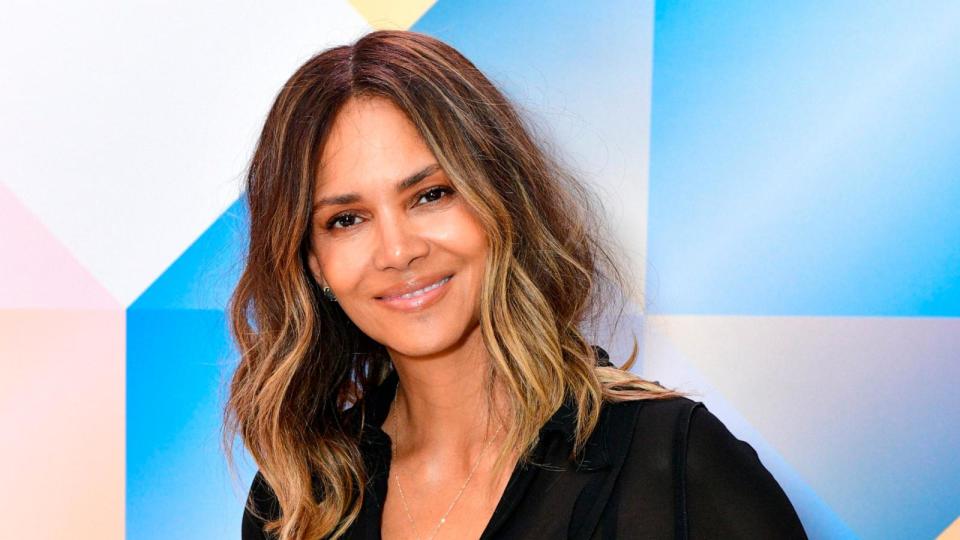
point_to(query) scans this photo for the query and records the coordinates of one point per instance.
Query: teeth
(424, 290)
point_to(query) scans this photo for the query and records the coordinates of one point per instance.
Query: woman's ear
(314, 265)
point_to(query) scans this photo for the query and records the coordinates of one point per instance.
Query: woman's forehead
(371, 140)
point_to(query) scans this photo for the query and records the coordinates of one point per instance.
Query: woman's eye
(435, 194)
(344, 220)
(348, 220)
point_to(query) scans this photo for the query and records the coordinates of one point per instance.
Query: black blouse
(651, 469)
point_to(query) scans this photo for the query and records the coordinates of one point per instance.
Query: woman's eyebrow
(401, 186)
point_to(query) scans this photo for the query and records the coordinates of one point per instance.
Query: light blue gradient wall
(802, 162)
(804, 159)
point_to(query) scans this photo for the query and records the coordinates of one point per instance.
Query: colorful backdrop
(785, 177)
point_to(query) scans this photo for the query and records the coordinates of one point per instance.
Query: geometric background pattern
(784, 178)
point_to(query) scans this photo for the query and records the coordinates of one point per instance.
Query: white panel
(127, 126)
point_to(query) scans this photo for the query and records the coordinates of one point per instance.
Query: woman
(408, 318)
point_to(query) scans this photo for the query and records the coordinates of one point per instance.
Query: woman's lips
(420, 299)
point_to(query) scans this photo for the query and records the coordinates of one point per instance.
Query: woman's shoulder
(261, 506)
(680, 436)
(678, 426)
(651, 420)
(728, 489)
(679, 446)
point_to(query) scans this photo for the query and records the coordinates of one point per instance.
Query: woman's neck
(442, 405)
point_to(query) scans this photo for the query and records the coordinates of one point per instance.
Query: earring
(329, 294)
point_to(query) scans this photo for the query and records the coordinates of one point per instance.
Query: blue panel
(578, 71)
(179, 356)
(177, 480)
(515, 38)
(804, 159)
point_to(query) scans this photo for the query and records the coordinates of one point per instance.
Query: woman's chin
(419, 347)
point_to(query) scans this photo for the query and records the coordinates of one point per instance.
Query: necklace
(403, 498)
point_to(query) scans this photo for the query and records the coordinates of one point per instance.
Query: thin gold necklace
(396, 475)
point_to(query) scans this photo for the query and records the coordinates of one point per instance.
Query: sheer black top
(651, 469)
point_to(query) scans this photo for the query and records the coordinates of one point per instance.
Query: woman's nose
(399, 242)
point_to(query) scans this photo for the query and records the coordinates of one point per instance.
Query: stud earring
(329, 294)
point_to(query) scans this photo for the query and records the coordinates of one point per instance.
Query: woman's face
(386, 222)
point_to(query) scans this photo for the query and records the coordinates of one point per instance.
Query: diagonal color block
(804, 159)
(665, 362)
(36, 270)
(62, 423)
(952, 532)
(865, 409)
(204, 276)
(391, 14)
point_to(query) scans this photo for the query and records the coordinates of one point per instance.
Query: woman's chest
(550, 498)
(536, 503)
(440, 509)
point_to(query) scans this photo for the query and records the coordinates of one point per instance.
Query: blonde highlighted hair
(302, 362)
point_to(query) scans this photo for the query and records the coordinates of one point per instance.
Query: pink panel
(36, 270)
(62, 423)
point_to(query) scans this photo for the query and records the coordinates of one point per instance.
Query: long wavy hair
(303, 364)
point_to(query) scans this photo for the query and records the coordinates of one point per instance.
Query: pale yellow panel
(392, 14)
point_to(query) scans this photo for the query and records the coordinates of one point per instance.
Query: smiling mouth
(418, 292)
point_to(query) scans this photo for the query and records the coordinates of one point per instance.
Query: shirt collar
(374, 408)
